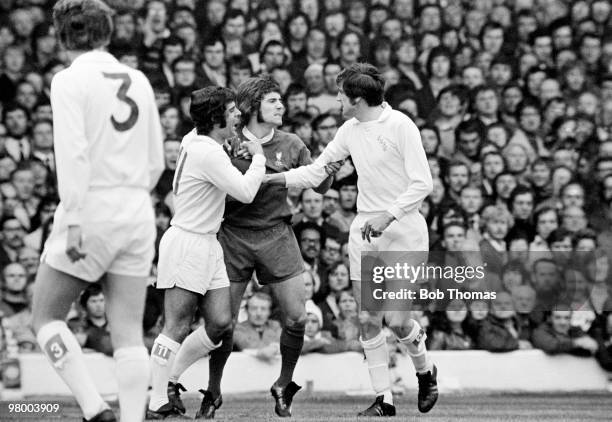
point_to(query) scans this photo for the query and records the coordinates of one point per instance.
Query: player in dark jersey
(257, 237)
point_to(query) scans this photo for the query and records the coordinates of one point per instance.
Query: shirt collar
(247, 134)
(95, 56)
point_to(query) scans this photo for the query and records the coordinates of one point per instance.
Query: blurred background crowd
(513, 99)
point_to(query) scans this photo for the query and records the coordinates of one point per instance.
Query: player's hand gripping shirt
(204, 175)
(393, 172)
(283, 151)
(106, 130)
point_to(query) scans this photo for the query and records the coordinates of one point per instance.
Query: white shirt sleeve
(314, 174)
(219, 170)
(71, 146)
(156, 140)
(417, 169)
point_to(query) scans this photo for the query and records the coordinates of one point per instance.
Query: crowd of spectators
(514, 103)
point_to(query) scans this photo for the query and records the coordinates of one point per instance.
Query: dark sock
(291, 342)
(216, 364)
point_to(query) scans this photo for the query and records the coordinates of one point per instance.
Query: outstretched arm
(315, 174)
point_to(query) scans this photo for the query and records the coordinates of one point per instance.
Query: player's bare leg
(54, 292)
(179, 306)
(218, 357)
(125, 309)
(292, 298)
(216, 310)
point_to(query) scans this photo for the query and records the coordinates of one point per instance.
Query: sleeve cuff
(259, 160)
(73, 218)
(396, 212)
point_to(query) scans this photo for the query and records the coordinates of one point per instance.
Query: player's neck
(217, 135)
(73, 54)
(260, 130)
(368, 114)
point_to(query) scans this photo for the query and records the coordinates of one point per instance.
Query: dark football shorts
(273, 253)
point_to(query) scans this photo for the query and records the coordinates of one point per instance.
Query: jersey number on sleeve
(179, 170)
(126, 82)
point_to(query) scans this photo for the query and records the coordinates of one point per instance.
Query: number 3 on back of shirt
(126, 82)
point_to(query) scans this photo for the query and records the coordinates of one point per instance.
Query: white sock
(377, 357)
(196, 346)
(63, 351)
(162, 357)
(415, 341)
(132, 365)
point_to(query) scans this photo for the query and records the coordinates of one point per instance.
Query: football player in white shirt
(191, 268)
(108, 146)
(394, 178)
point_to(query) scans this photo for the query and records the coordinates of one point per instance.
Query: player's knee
(177, 329)
(222, 327)
(403, 330)
(298, 320)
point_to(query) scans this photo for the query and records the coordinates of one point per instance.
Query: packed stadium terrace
(513, 100)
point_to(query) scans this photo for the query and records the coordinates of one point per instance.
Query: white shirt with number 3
(106, 129)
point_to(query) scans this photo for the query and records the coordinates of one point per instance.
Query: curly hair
(83, 24)
(251, 92)
(208, 108)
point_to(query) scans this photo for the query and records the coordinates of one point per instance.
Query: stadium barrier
(476, 370)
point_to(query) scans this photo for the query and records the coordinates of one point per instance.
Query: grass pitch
(579, 407)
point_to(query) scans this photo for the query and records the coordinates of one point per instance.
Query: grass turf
(577, 407)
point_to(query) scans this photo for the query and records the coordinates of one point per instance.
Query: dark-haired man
(394, 178)
(108, 146)
(257, 237)
(191, 267)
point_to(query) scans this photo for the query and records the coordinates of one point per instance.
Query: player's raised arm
(228, 178)
(417, 169)
(73, 165)
(313, 175)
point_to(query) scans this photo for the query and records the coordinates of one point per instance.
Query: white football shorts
(118, 235)
(191, 261)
